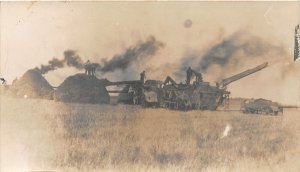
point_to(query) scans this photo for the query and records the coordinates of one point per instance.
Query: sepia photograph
(150, 86)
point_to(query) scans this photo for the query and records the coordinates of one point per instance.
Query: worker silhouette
(87, 67)
(93, 68)
(143, 76)
(189, 74)
(90, 68)
(199, 77)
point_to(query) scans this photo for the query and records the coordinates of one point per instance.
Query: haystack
(31, 85)
(81, 88)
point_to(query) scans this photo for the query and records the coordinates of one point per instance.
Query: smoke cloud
(241, 51)
(71, 59)
(131, 57)
(232, 52)
(52, 65)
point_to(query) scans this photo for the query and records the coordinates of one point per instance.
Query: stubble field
(53, 136)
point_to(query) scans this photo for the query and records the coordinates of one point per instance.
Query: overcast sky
(33, 33)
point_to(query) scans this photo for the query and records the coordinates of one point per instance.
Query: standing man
(93, 68)
(189, 74)
(199, 77)
(87, 67)
(143, 76)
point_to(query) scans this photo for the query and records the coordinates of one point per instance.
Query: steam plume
(233, 51)
(52, 65)
(71, 59)
(132, 55)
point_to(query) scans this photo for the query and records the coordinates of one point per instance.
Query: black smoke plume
(71, 59)
(132, 55)
(52, 65)
(235, 49)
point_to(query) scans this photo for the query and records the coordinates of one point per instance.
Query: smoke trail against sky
(131, 56)
(233, 51)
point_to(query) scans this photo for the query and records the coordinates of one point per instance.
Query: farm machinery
(169, 94)
(261, 107)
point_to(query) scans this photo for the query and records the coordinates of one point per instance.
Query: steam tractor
(261, 106)
(169, 94)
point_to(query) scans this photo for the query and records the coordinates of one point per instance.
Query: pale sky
(33, 33)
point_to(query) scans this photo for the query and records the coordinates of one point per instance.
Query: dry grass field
(53, 136)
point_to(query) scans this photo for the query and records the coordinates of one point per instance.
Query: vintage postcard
(198, 86)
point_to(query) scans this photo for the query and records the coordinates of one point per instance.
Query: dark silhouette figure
(198, 77)
(189, 73)
(90, 68)
(143, 76)
(87, 67)
(93, 67)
